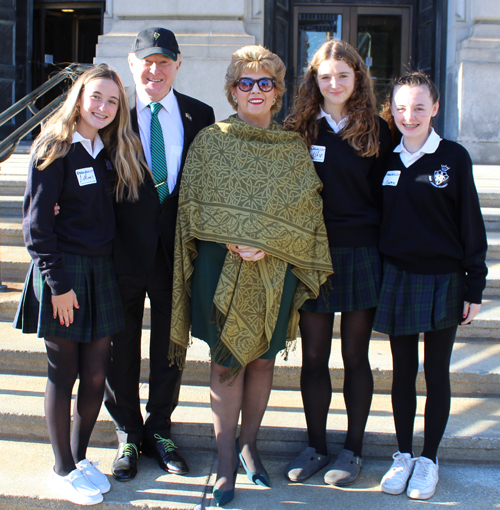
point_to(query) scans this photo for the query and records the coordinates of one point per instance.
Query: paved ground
(462, 486)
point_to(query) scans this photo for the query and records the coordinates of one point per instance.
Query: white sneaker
(422, 484)
(396, 479)
(75, 488)
(93, 475)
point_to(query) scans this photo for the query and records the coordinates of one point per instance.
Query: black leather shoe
(163, 450)
(124, 466)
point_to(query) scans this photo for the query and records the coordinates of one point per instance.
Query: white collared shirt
(430, 147)
(172, 128)
(336, 127)
(98, 145)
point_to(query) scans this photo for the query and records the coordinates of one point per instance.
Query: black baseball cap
(156, 40)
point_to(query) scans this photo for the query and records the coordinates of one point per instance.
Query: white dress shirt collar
(143, 101)
(173, 132)
(430, 146)
(98, 145)
(336, 127)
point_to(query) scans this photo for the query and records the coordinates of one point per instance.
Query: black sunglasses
(246, 84)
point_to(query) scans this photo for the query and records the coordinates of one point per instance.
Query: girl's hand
(470, 311)
(62, 307)
(57, 208)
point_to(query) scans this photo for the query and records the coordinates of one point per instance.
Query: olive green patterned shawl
(252, 187)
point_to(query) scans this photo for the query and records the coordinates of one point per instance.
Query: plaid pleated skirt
(94, 283)
(354, 285)
(415, 303)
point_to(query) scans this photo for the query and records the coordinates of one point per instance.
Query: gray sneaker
(345, 469)
(305, 465)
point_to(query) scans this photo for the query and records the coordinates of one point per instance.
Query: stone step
(18, 163)
(468, 485)
(15, 260)
(493, 245)
(485, 326)
(11, 233)
(491, 216)
(475, 365)
(473, 431)
(493, 280)
(11, 206)
(12, 185)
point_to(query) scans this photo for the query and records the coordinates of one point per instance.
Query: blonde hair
(363, 130)
(254, 58)
(122, 144)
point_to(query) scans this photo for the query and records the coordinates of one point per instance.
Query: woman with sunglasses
(250, 248)
(336, 113)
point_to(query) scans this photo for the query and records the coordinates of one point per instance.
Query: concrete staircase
(473, 432)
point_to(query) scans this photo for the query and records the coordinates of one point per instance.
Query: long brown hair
(412, 79)
(362, 131)
(122, 144)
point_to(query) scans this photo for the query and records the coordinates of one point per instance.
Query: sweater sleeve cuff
(57, 281)
(473, 295)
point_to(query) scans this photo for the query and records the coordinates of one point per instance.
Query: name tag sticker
(86, 176)
(318, 153)
(391, 178)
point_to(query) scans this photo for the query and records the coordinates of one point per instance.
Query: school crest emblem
(440, 177)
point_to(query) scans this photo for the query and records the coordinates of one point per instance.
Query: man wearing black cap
(167, 123)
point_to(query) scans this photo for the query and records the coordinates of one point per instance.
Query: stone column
(473, 77)
(208, 32)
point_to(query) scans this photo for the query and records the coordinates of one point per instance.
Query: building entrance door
(381, 35)
(63, 33)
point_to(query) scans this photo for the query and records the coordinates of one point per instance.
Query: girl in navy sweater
(434, 245)
(336, 113)
(70, 296)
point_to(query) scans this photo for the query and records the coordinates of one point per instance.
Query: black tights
(315, 383)
(438, 346)
(67, 360)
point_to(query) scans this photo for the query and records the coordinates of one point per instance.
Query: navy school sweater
(351, 187)
(432, 222)
(83, 187)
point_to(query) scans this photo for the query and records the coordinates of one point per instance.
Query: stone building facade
(456, 41)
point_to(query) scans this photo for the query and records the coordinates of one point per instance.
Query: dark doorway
(15, 71)
(63, 33)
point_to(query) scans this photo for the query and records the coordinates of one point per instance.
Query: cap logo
(156, 35)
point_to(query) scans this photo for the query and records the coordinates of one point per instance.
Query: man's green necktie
(158, 161)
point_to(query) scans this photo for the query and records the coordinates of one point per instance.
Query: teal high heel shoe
(224, 497)
(261, 478)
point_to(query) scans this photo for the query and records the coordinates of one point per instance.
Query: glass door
(383, 42)
(380, 34)
(312, 27)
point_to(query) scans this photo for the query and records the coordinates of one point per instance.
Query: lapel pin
(188, 116)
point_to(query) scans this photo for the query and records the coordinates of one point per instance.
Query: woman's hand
(57, 208)
(246, 253)
(62, 307)
(470, 311)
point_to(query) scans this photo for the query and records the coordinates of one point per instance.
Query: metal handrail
(8, 146)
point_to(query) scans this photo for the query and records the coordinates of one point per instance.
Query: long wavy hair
(122, 144)
(253, 58)
(362, 131)
(412, 79)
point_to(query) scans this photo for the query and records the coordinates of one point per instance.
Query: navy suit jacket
(141, 225)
